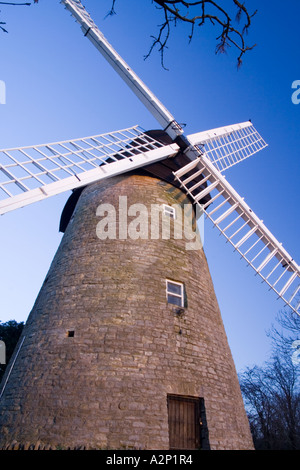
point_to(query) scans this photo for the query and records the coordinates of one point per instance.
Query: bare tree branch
(197, 13)
(272, 399)
(13, 4)
(272, 391)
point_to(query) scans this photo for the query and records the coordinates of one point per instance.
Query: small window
(169, 211)
(70, 333)
(175, 293)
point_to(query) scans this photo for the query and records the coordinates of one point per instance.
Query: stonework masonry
(102, 348)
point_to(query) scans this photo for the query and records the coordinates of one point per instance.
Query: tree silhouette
(233, 22)
(232, 32)
(272, 391)
(13, 4)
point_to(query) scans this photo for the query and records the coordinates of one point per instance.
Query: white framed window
(175, 293)
(169, 211)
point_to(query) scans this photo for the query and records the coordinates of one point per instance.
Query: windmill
(194, 166)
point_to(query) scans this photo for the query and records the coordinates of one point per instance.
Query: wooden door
(184, 422)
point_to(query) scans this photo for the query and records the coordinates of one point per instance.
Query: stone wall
(105, 385)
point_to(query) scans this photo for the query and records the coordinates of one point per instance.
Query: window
(175, 293)
(187, 423)
(169, 211)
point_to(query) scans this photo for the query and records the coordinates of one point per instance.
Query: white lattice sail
(30, 174)
(137, 86)
(226, 146)
(243, 229)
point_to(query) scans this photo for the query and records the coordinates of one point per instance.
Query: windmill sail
(227, 146)
(243, 229)
(31, 174)
(92, 32)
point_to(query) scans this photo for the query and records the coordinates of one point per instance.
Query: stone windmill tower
(125, 345)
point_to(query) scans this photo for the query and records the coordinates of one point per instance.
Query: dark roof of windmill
(162, 170)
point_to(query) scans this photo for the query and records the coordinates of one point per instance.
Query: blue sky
(59, 87)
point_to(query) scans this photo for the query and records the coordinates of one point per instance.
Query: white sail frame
(241, 227)
(229, 145)
(152, 103)
(31, 174)
(210, 152)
